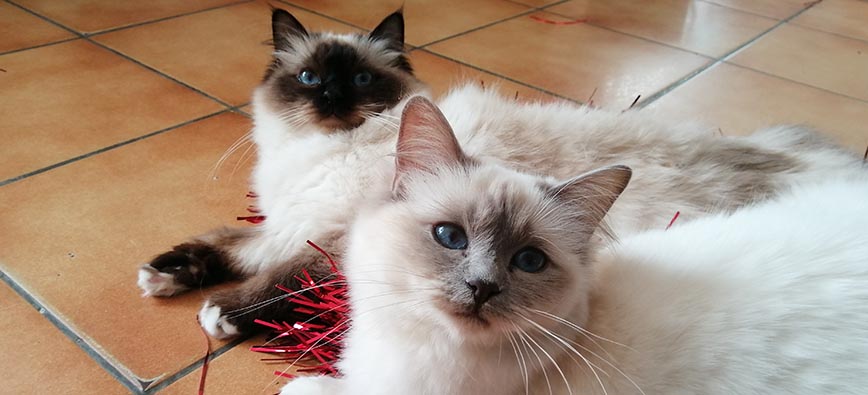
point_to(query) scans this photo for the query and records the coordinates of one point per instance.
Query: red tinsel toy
(315, 343)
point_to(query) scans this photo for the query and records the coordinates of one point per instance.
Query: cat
(310, 185)
(323, 97)
(475, 278)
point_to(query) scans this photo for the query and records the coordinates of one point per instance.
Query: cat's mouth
(337, 122)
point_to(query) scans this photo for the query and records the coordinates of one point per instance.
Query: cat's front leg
(318, 385)
(233, 311)
(206, 260)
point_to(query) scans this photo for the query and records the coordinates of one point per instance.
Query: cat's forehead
(324, 48)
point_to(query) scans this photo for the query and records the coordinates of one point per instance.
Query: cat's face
(482, 249)
(335, 81)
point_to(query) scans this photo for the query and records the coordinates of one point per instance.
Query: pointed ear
(593, 193)
(284, 27)
(425, 141)
(391, 30)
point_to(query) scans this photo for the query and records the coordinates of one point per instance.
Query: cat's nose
(482, 291)
(332, 95)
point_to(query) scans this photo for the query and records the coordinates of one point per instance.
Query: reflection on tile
(90, 224)
(442, 74)
(778, 9)
(19, 29)
(815, 58)
(38, 358)
(573, 60)
(426, 21)
(69, 99)
(696, 26)
(740, 101)
(238, 371)
(221, 52)
(95, 15)
(845, 17)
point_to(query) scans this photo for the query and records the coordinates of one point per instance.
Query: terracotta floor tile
(740, 101)
(845, 17)
(696, 26)
(778, 9)
(19, 29)
(535, 3)
(38, 358)
(426, 20)
(238, 371)
(573, 60)
(221, 52)
(69, 99)
(441, 74)
(78, 233)
(95, 15)
(815, 58)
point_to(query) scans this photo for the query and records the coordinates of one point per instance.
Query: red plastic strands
(675, 217)
(314, 344)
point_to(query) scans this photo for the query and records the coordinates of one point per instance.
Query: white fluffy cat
(473, 278)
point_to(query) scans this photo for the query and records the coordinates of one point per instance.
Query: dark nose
(332, 94)
(482, 291)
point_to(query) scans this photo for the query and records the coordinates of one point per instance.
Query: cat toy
(314, 344)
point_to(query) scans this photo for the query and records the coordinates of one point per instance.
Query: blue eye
(529, 260)
(362, 79)
(308, 77)
(450, 236)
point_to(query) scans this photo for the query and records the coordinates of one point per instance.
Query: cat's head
(473, 248)
(334, 81)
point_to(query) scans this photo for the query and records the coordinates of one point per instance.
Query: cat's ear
(425, 141)
(284, 27)
(592, 194)
(391, 30)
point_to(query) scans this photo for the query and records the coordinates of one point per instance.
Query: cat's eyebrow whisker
(590, 365)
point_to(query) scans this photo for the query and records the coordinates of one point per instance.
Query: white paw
(316, 385)
(156, 283)
(214, 323)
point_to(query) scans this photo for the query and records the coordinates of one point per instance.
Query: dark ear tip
(275, 12)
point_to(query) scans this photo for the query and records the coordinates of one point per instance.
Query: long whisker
(522, 335)
(561, 372)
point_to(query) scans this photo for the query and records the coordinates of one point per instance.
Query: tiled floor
(113, 116)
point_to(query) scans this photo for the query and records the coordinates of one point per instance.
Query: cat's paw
(312, 386)
(156, 283)
(214, 322)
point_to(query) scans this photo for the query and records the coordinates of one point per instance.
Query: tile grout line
(185, 371)
(166, 18)
(71, 334)
(805, 84)
(491, 73)
(108, 148)
(531, 10)
(48, 44)
(722, 59)
(87, 38)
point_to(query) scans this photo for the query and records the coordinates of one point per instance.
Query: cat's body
(770, 299)
(310, 179)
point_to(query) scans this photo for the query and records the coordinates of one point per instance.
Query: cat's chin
(337, 123)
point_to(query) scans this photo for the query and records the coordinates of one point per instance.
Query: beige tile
(19, 29)
(77, 234)
(69, 99)
(696, 26)
(739, 101)
(535, 3)
(95, 15)
(38, 358)
(238, 371)
(845, 17)
(442, 74)
(778, 9)
(573, 60)
(221, 52)
(811, 57)
(426, 20)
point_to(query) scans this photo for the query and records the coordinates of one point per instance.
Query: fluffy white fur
(770, 299)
